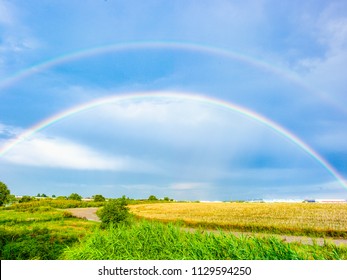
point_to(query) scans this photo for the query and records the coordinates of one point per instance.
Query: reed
(146, 240)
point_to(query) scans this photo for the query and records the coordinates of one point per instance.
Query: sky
(194, 100)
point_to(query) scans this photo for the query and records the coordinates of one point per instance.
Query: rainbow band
(129, 46)
(178, 96)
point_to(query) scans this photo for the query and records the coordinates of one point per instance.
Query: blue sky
(282, 60)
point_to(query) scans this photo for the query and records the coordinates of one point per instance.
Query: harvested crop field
(325, 220)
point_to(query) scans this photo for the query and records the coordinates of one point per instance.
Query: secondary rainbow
(178, 96)
(185, 46)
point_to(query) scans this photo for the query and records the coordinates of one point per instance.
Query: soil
(86, 213)
(90, 214)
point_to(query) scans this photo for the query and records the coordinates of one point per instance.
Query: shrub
(113, 212)
(26, 198)
(75, 196)
(98, 198)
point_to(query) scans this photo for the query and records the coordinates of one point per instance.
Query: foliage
(156, 241)
(98, 198)
(26, 198)
(54, 203)
(152, 197)
(113, 212)
(12, 198)
(41, 234)
(75, 196)
(4, 194)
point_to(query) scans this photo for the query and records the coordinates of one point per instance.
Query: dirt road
(90, 214)
(87, 213)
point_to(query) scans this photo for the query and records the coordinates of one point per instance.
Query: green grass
(39, 233)
(61, 204)
(146, 240)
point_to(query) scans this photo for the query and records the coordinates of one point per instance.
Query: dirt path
(87, 213)
(90, 214)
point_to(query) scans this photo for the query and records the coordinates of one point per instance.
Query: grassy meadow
(39, 233)
(35, 230)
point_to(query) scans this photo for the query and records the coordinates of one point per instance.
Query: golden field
(294, 218)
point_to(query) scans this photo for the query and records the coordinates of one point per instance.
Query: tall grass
(147, 240)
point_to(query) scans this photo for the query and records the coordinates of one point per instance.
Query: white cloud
(188, 186)
(43, 151)
(332, 27)
(174, 123)
(326, 73)
(7, 131)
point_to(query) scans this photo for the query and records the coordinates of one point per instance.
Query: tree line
(6, 197)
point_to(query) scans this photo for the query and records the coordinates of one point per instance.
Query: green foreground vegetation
(39, 233)
(148, 240)
(35, 230)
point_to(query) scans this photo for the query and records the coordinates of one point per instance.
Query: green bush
(75, 196)
(113, 212)
(26, 198)
(98, 198)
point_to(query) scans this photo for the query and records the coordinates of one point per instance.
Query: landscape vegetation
(163, 229)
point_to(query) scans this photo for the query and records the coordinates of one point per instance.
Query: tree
(152, 197)
(113, 212)
(75, 196)
(4, 194)
(98, 198)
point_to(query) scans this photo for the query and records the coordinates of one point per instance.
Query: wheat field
(295, 218)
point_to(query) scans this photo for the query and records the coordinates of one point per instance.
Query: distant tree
(4, 194)
(53, 195)
(98, 198)
(166, 198)
(43, 195)
(38, 195)
(26, 198)
(152, 197)
(75, 196)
